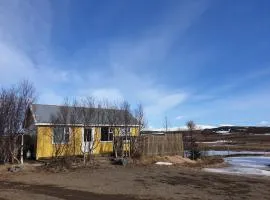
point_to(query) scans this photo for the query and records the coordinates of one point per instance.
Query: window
(60, 135)
(87, 135)
(125, 133)
(106, 134)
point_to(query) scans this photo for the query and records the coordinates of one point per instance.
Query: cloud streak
(180, 117)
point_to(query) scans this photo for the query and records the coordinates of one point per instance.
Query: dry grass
(183, 162)
(235, 141)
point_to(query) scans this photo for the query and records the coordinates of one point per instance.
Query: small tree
(69, 117)
(14, 102)
(140, 117)
(88, 113)
(62, 132)
(126, 119)
(191, 126)
(135, 147)
(166, 124)
(194, 152)
(113, 117)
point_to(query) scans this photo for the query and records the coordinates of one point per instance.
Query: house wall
(46, 148)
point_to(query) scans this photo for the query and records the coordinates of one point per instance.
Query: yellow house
(65, 131)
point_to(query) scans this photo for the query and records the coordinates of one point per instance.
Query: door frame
(85, 147)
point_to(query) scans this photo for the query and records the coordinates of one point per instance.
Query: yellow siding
(101, 147)
(46, 148)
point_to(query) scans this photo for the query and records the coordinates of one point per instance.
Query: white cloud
(264, 123)
(181, 128)
(198, 127)
(179, 117)
(203, 126)
(163, 129)
(226, 125)
(14, 65)
(105, 93)
(50, 97)
(165, 102)
(25, 49)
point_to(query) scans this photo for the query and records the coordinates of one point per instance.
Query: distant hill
(221, 130)
(242, 129)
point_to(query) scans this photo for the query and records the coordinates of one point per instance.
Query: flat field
(234, 141)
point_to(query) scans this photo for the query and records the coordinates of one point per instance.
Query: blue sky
(207, 61)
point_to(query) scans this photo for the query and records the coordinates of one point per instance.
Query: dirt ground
(131, 183)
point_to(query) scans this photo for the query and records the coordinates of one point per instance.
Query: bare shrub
(14, 102)
(191, 142)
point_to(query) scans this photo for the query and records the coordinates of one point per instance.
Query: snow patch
(250, 165)
(240, 171)
(225, 153)
(216, 142)
(164, 163)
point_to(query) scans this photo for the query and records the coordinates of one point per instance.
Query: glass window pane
(66, 138)
(104, 133)
(66, 135)
(58, 133)
(110, 136)
(87, 135)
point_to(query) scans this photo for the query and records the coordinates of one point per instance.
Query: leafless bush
(136, 147)
(140, 118)
(190, 142)
(88, 112)
(166, 124)
(14, 102)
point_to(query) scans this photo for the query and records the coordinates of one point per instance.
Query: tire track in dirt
(63, 193)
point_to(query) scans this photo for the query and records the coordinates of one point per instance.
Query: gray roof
(78, 115)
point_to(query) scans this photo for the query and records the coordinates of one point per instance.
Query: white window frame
(110, 131)
(69, 132)
(122, 132)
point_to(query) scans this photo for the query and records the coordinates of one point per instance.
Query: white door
(87, 139)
